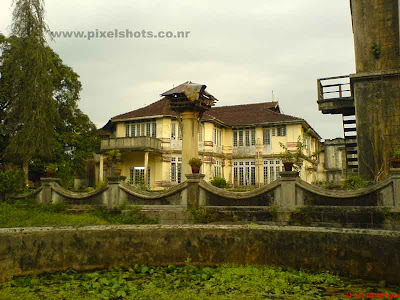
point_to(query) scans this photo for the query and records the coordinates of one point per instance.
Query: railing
(334, 88)
(131, 143)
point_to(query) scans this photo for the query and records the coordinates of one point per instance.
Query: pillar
(288, 190)
(190, 142)
(46, 196)
(193, 190)
(146, 165)
(113, 191)
(101, 175)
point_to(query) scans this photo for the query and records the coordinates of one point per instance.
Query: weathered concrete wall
(376, 86)
(334, 160)
(376, 22)
(360, 253)
(377, 101)
(271, 203)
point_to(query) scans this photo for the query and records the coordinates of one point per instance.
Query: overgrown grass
(188, 282)
(27, 213)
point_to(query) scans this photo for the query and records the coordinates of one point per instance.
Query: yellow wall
(160, 170)
(120, 130)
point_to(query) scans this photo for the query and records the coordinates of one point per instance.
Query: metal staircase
(335, 97)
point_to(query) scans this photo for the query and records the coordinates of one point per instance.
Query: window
(127, 127)
(136, 176)
(235, 138)
(214, 136)
(176, 169)
(244, 173)
(173, 130)
(244, 137)
(272, 168)
(133, 127)
(266, 136)
(247, 138)
(241, 138)
(154, 129)
(281, 130)
(179, 132)
(143, 129)
(148, 129)
(218, 169)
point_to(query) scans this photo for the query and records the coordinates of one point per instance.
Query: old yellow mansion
(240, 143)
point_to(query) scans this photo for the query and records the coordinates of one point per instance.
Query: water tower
(369, 100)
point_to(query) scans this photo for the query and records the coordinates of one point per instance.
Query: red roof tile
(235, 115)
(161, 107)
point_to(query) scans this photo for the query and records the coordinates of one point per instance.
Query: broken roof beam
(190, 96)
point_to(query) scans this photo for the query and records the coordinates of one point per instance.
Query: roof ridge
(258, 103)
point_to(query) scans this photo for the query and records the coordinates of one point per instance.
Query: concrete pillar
(288, 190)
(113, 191)
(395, 173)
(146, 165)
(101, 175)
(193, 190)
(46, 195)
(260, 171)
(190, 141)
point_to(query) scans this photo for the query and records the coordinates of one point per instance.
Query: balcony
(143, 143)
(335, 95)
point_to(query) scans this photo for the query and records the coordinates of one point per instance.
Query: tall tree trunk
(25, 168)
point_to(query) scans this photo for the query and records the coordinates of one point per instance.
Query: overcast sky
(242, 50)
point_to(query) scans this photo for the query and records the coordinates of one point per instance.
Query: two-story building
(240, 143)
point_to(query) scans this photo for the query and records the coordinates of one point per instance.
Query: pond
(192, 282)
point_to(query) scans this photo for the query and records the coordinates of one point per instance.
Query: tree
(30, 122)
(31, 112)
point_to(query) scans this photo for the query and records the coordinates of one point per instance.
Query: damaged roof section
(190, 95)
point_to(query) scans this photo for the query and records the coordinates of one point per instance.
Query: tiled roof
(235, 115)
(248, 114)
(161, 107)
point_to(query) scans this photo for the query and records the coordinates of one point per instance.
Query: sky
(244, 51)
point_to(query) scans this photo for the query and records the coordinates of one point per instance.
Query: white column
(146, 164)
(101, 177)
(190, 141)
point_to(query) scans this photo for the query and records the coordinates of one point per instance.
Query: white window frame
(133, 175)
(271, 170)
(176, 169)
(245, 173)
(266, 136)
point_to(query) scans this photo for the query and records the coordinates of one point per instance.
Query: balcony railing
(338, 87)
(144, 143)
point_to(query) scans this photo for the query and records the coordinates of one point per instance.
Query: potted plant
(51, 169)
(114, 156)
(288, 160)
(195, 163)
(396, 158)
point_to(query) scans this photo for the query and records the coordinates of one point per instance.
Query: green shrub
(219, 182)
(100, 184)
(355, 182)
(89, 189)
(11, 182)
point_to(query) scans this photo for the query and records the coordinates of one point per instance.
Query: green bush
(219, 182)
(11, 182)
(355, 182)
(89, 189)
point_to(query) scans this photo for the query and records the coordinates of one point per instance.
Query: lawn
(187, 282)
(27, 213)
